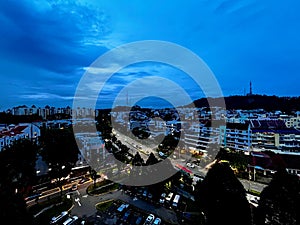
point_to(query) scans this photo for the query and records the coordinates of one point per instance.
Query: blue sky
(46, 46)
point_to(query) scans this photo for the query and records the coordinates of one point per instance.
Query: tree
(151, 159)
(17, 163)
(279, 201)
(137, 163)
(137, 160)
(13, 208)
(237, 160)
(17, 175)
(60, 151)
(222, 197)
(94, 176)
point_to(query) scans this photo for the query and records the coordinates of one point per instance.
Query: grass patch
(253, 192)
(102, 187)
(103, 206)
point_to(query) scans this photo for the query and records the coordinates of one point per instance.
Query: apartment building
(273, 134)
(236, 136)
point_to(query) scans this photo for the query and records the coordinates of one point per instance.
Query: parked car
(126, 215)
(83, 180)
(157, 221)
(139, 220)
(162, 198)
(34, 196)
(122, 207)
(191, 165)
(149, 219)
(145, 193)
(61, 217)
(74, 187)
(169, 197)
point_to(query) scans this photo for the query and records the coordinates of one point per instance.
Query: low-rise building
(12, 132)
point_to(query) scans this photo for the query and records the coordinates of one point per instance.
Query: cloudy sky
(47, 46)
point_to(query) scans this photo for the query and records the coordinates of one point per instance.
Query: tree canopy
(17, 174)
(279, 201)
(222, 197)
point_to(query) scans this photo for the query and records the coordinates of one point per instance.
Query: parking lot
(121, 212)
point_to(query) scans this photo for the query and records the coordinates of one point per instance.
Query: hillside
(268, 103)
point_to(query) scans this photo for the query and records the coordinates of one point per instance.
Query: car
(56, 219)
(140, 191)
(162, 198)
(169, 197)
(83, 180)
(34, 196)
(149, 219)
(71, 220)
(139, 220)
(157, 221)
(74, 187)
(162, 155)
(126, 215)
(191, 165)
(254, 200)
(122, 207)
(145, 193)
(176, 200)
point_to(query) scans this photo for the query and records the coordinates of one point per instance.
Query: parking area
(123, 213)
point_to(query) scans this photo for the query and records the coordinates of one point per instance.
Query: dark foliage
(17, 174)
(268, 103)
(280, 201)
(222, 197)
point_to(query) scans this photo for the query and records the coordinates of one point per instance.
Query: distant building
(293, 121)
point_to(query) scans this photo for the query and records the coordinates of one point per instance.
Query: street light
(249, 177)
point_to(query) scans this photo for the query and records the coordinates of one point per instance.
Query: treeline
(268, 103)
(8, 118)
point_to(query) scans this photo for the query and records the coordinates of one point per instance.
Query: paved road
(176, 158)
(132, 144)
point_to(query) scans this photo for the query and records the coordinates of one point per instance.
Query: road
(55, 192)
(144, 151)
(251, 185)
(181, 159)
(135, 146)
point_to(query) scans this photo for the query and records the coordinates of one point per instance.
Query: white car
(191, 165)
(149, 219)
(169, 197)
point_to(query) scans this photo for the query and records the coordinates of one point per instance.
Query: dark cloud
(52, 38)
